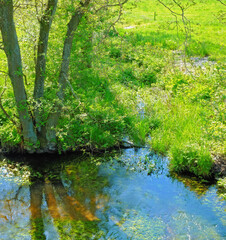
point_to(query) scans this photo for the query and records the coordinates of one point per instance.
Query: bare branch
(72, 90)
(221, 2)
(173, 12)
(119, 4)
(25, 79)
(186, 24)
(112, 25)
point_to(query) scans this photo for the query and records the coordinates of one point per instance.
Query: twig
(25, 79)
(174, 13)
(111, 5)
(112, 25)
(186, 24)
(72, 90)
(221, 2)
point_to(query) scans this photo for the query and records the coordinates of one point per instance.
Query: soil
(220, 165)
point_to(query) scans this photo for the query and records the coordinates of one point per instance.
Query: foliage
(135, 79)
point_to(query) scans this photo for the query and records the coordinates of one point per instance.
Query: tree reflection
(66, 210)
(37, 225)
(193, 184)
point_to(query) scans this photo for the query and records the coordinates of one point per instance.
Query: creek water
(128, 194)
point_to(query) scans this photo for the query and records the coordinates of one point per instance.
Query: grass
(155, 24)
(183, 110)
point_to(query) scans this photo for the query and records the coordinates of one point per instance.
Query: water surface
(123, 195)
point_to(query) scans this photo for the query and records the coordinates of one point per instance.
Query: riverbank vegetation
(155, 76)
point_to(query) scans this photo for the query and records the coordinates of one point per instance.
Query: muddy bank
(219, 167)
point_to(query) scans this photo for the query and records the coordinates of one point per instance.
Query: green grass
(154, 23)
(183, 113)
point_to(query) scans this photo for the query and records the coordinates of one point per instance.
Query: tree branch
(40, 68)
(173, 12)
(76, 97)
(221, 2)
(54, 117)
(72, 27)
(45, 25)
(111, 5)
(112, 25)
(186, 24)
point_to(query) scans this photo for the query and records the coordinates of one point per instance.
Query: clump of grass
(191, 158)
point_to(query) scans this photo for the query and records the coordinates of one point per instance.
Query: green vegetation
(131, 80)
(155, 24)
(184, 102)
(222, 187)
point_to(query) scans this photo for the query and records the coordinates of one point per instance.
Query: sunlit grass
(154, 23)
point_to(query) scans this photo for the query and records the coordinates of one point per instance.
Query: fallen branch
(129, 144)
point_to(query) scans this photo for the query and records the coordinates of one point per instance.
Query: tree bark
(45, 25)
(12, 51)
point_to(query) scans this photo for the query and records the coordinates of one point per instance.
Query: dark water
(127, 195)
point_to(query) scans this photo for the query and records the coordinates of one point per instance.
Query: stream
(127, 194)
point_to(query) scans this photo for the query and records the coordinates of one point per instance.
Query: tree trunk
(12, 50)
(45, 25)
(54, 117)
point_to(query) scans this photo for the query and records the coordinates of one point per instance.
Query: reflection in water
(37, 225)
(53, 211)
(64, 208)
(125, 196)
(69, 209)
(193, 184)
